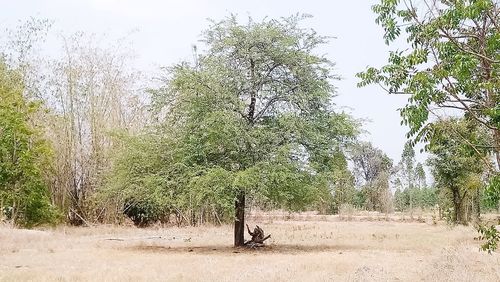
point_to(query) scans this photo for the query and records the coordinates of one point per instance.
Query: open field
(309, 248)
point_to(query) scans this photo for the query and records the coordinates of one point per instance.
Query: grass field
(306, 248)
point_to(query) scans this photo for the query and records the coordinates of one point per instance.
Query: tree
(342, 182)
(369, 162)
(253, 117)
(86, 93)
(411, 180)
(24, 154)
(420, 176)
(407, 166)
(90, 93)
(399, 202)
(492, 193)
(136, 183)
(457, 168)
(452, 62)
(372, 169)
(21, 52)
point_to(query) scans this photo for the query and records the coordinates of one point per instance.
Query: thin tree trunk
(496, 135)
(239, 222)
(457, 206)
(477, 204)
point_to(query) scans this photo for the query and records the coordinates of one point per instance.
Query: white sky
(167, 29)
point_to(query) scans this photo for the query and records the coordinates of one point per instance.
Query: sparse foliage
(372, 169)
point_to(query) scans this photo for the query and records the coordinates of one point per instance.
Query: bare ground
(313, 248)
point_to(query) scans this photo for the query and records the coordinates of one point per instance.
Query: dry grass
(304, 248)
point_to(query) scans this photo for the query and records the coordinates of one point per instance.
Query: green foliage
(23, 156)
(410, 180)
(457, 167)
(137, 180)
(343, 183)
(452, 62)
(420, 175)
(143, 212)
(408, 167)
(492, 192)
(490, 235)
(426, 197)
(252, 116)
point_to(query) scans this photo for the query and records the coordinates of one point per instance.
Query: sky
(164, 31)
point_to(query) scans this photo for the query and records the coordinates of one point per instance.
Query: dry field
(305, 248)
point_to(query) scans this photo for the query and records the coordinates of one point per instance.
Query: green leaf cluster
(452, 62)
(24, 155)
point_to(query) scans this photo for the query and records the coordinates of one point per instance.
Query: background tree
(407, 166)
(21, 50)
(457, 168)
(411, 182)
(372, 169)
(24, 155)
(84, 95)
(342, 182)
(492, 193)
(399, 201)
(253, 118)
(90, 92)
(137, 184)
(420, 176)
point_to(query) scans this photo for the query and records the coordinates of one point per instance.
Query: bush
(24, 155)
(142, 213)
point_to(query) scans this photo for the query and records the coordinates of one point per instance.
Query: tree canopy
(252, 118)
(452, 62)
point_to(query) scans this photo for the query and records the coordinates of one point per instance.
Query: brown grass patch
(315, 249)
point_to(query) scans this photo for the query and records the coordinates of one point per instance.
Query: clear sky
(165, 30)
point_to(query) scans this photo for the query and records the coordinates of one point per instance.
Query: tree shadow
(224, 249)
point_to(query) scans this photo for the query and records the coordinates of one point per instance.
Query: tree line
(250, 122)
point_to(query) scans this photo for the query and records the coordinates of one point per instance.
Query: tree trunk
(477, 204)
(457, 206)
(239, 222)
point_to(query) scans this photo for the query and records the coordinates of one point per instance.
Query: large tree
(253, 116)
(451, 61)
(456, 166)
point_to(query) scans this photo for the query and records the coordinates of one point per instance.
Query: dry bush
(346, 212)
